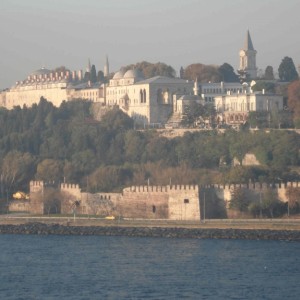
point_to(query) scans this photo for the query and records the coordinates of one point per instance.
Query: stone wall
(19, 206)
(224, 191)
(36, 197)
(177, 202)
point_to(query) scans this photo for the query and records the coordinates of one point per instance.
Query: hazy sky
(51, 33)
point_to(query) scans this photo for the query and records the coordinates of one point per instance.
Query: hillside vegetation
(66, 144)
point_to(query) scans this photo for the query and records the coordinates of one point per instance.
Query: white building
(147, 101)
(209, 91)
(233, 109)
(55, 86)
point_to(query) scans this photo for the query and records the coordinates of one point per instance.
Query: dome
(41, 71)
(119, 75)
(135, 73)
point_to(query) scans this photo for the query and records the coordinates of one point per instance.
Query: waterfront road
(274, 224)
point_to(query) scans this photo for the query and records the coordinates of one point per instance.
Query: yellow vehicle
(110, 218)
(20, 196)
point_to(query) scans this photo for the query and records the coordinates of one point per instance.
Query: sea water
(98, 267)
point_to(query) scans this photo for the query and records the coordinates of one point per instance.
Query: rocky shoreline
(167, 232)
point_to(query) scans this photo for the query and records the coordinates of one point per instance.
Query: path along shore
(265, 229)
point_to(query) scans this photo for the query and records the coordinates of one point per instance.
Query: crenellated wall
(173, 202)
(36, 190)
(224, 191)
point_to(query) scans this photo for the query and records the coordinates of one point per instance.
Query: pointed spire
(106, 67)
(248, 42)
(88, 68)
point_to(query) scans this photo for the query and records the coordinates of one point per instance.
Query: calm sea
(95, 267)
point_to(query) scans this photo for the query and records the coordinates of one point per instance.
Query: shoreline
(149, 230)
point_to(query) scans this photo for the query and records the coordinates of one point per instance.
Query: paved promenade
(273, 224)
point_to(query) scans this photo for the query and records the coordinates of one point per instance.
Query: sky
(53, 33)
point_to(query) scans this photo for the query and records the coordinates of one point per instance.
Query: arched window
(159, 96)
(141, 96)
(144, 93)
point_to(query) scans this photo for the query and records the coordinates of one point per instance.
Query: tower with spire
(106, 67)
(248, 58)
(88, 68)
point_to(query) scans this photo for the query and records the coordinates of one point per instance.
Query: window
(186, 201)
(154, 209)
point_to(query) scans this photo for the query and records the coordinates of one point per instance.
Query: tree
(294, 101)
(150, 70)
(269, 74)
(264, 85)
(293, 196)
(116, 119)
(181, 73)
(227, 73)
(287, 70)
(239, 199)
(269, 201)
(93, 75)
(49, 170)
(192, 112)
(204, 73)
(16, 170)
(100, 76)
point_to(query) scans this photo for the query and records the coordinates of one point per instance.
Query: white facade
(56, 87)
(234, 108)
(209, 90)
(147, 101)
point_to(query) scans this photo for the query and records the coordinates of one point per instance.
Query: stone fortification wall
(255, 189)
(36, 197)
(70, 195)
(145, 202)
(19, 206)
(177, 202)
(101, 204)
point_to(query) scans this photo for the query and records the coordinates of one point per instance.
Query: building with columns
(233, 109)
(147, 101)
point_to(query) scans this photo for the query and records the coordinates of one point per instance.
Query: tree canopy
(66, 143)
(152, 69)
(287, 70)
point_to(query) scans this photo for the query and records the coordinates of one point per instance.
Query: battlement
(36, 183)
(160, 188)
(253, 186)
(69, 186)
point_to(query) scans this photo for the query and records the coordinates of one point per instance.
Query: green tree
(150, 70)
(204, 73)
(269, 74)
(100, 76)
(49, 170)
(93, 75)
(264, 85)
(227, 73)
(192, 112)
(239, 199)
(16, 170)
(117, 120)
(287, 70)
(269, 202)
(294, 101)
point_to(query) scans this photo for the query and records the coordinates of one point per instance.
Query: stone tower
(106, 67)
(248, 58)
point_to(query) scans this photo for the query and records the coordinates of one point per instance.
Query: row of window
(221, 91)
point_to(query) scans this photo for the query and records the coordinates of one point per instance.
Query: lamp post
(204, 208)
